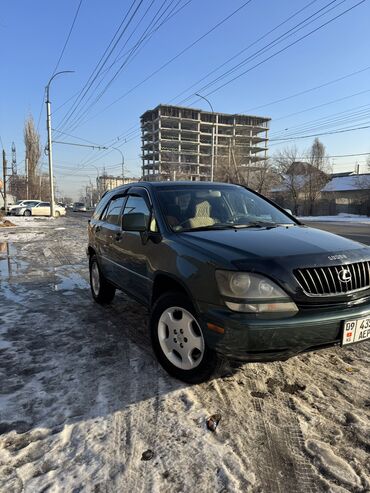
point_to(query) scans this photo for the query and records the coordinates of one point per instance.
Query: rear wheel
(178, 341)
(27, 212)
(102, 291)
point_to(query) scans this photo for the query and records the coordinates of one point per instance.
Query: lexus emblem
(344, 275)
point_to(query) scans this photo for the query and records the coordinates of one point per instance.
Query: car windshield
(217, 207)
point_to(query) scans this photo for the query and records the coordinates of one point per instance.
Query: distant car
(79, 207)
(43, 209)
(21, 209)
(21, 203)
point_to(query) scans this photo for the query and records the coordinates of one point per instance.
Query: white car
(43, 209)
(20, 210)
(21, 203)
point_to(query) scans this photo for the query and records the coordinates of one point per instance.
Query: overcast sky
(33, 35)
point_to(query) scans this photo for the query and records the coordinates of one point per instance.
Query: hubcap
(180, 338)
(95, 278)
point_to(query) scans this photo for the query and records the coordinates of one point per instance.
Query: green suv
(226, 273)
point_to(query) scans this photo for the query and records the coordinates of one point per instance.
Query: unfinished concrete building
(177, 142)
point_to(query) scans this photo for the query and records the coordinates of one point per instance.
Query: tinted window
(43, 204)
(113, 212)
(135, 205)
(100, 207)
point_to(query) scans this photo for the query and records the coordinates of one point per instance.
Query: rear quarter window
(101, 206)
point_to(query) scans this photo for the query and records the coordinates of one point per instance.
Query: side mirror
(135, 221)
(289, 211)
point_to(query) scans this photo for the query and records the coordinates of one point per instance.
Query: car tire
(57, 214)
(184, 355)
(27, 212)
(102, 290)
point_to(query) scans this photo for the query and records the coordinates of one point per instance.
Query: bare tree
(316, 173)
(33, 155)
(291, 179)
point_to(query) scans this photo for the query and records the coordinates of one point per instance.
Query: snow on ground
(32, 222)
(82, 397)
(342, 217)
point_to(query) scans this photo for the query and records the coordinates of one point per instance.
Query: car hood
(282, 242)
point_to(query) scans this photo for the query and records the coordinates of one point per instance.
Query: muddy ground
(82, 397)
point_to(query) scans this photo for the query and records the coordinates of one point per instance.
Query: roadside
(342, 218)
(82, 397)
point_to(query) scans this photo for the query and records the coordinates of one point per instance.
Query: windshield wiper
(254, 224)
(209, 226)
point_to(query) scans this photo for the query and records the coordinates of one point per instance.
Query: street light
(213, 138)
(50, 150)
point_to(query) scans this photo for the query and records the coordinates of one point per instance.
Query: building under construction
(181, 143)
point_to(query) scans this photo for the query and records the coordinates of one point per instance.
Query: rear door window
(112, 213)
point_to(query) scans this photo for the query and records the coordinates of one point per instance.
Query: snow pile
(31, 222)
(342, 217)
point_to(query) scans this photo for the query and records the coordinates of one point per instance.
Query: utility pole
(50, 147)
(213, 137)
(4, 183)
(26, 164)
(122, 163)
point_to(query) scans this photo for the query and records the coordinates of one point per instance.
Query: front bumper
(247, 338)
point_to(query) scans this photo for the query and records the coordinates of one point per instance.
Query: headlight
(253, 293)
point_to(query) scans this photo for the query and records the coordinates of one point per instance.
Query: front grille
(316, 281)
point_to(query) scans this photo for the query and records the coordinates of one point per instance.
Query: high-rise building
(180, 143)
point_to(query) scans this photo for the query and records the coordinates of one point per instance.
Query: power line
(325, 133)
(325, 84)
(327, 103)
(77, 138)
(68, 36)
(284, 49)
(346, 116)
(274, 54)
(271, 44)
(102, 61)
(184, 50)
(152, 27)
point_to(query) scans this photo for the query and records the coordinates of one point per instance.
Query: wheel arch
(164, 283)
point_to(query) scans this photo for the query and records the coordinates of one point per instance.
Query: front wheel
(102, 291)
(178, 340)
(27, 212)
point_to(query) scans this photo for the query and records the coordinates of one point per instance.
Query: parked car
(226, 273)
(21, 209)
(43, 209)
(20, 203)
(79, 207)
